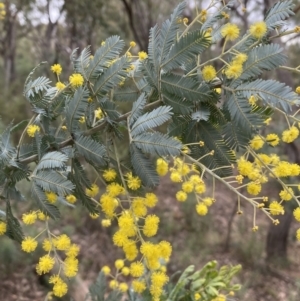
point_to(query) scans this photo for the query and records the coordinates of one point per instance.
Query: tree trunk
(9, 47)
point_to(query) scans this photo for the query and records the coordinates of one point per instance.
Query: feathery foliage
(190, 119)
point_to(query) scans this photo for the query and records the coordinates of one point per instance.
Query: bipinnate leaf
(110, 50)
(53, 160)
(13, 230)
(151, 120)
(143, 167)
(76, 108)
(137, 108)
(157, 143)
(91, 150)
(54, 181)
(47, 208)
(185, 49)
(272, 93)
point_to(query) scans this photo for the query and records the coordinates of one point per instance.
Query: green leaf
(143, 167)
(278, 13)
(51, 180)
(272, 93)
(137, 108)
(112, 76)
(53, 160)
(14, 230)
(45, 207)
(107, 52)
(151, 120)
(157, 143)
(185, 49)
(185, 87)
(91, 150)
(75, 108)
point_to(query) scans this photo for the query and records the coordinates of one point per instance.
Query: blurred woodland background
(33, 31)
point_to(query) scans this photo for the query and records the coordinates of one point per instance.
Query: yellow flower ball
(76, 80)
(258, 29)
(209, 73)
(230, 31)
(201, 209)
(56, 68)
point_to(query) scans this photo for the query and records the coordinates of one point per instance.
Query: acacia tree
(216, 120)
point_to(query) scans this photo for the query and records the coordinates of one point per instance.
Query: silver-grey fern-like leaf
(157, 143)
(272, 93)
(143, 167)
(185, 49)
(262, 58)
(179, 104)
(40, 198)
(137, 108)
(40, 84)
(83, 61)
(51, 180)
(110, 50)
(169, 31)
(154, 47)
(53, 160)
(241, 114)
(91, 150)
(76, 107)
(151, 120)
(112, 76)
(278, 13)
(185, 87)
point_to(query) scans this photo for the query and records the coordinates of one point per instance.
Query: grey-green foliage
(276, 15)
(207, 281)
(166, 91)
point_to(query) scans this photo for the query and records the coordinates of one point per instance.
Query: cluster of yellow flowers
(191, 182)
(76, 79)
(134, 226)
(55, 246)
(259, 171)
